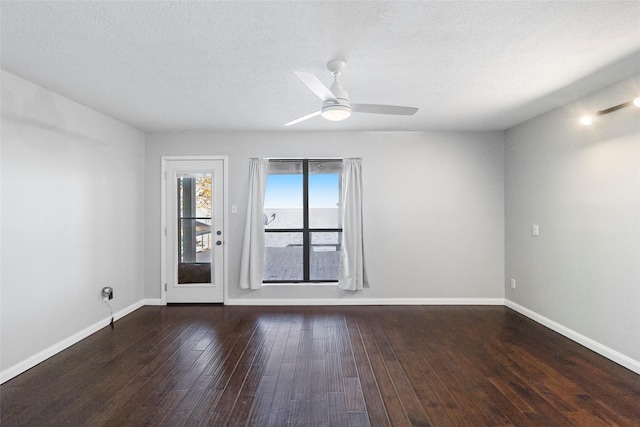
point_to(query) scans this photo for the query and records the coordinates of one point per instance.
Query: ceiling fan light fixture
(335, 113)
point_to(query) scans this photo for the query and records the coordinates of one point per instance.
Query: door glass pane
(283, 257)
(194, 228)
(283, 196)
(324, 194)
(325, 255)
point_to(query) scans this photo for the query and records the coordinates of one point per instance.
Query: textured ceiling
(174, 66)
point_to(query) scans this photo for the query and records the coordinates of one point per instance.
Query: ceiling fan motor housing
(340, 108)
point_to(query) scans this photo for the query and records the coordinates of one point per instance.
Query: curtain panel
(352, 276)
(252, 260)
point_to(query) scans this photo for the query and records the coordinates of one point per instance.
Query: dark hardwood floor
(316, 366)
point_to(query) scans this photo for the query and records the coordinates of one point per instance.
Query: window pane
(324, 194)
(283, 196)
(325, 256)
(195, 240)
(195, 195)
(194, 226)
(285, 210)
(283, 257)
(324, 218)
(282, 218)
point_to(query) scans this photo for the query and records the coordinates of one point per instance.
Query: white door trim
(163, 222)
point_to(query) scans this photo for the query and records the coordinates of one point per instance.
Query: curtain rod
(297, 159)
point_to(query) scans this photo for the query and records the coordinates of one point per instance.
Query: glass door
(194, 227)
(194, 231)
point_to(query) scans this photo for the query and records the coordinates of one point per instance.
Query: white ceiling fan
(335, 101)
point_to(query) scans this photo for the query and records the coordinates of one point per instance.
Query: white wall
(72, 220)
(434, 208)
(582, 186)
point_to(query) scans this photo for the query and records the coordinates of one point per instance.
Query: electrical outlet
(107, 293)
(513, 283)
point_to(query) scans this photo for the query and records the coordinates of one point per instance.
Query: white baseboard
(367, 301)
(152, 301)
(32, 361)
(601, 349)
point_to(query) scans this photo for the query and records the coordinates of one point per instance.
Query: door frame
(163, 222)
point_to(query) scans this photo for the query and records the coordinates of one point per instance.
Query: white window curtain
(252, 260)
(352, 276)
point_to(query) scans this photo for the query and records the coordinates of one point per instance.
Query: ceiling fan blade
(316, 86)
(303, 118)
(383, 109)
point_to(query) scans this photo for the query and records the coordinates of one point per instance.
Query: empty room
(320, 213)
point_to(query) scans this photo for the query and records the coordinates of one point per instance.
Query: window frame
(305, 230)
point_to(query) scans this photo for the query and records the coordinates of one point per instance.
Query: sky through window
(285, 191)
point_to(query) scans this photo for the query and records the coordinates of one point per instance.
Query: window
(194, 228)
(302, 214)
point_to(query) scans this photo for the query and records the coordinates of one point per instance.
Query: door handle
(218, 242)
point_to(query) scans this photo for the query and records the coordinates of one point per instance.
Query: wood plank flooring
(324, 366)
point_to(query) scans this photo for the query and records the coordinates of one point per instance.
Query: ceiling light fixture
(587, 120)
(335, 112)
